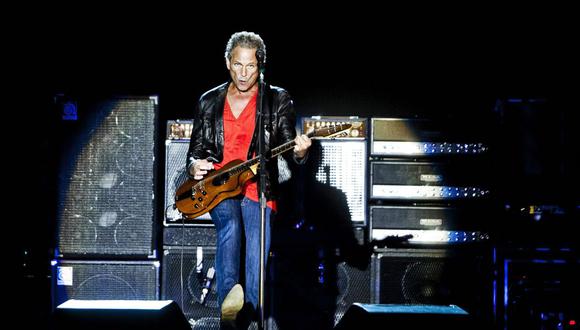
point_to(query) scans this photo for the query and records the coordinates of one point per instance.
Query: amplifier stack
(105, 245)
(427, 178)
(188, 244)
(430, 179)
(401, 176)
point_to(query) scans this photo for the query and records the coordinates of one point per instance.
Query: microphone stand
(262, 197)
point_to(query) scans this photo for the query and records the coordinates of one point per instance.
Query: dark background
(434, 61)
(351, 60)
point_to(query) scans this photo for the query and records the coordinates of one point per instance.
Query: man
(225, 129)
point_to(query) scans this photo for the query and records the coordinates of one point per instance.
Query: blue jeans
(229, 216)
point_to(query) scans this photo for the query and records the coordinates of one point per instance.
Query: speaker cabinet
(104, 280)
(106, 182)
(354, 285)
(119, 314)
(184, 270)
(461, 277)
(189, 236)
(342, 164)
(175, 176)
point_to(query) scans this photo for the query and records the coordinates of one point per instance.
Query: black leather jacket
(207, 137)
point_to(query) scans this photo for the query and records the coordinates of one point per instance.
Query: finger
(303, 142)
(300, 152)
(208, 166)
(297, 143)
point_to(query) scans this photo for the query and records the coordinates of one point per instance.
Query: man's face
(243, 67)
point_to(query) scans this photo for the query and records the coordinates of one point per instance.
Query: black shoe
(246, 316)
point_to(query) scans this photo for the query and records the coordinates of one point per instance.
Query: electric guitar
(196, 197)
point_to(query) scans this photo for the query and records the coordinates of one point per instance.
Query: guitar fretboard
(287, 146)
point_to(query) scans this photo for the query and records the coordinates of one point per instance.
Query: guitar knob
(204, 192)
(200, 199)
(196, 206)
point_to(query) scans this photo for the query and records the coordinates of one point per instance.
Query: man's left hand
(303, 142)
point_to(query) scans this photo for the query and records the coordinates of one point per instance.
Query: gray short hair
(247, 40)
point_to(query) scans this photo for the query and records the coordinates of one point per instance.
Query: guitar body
(196, 197)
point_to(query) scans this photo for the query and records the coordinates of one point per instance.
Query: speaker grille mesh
(106, 202)
(175, 176)
(353, 286)
(102, 280)
(434, 277)
(343, 165)
(193, 271)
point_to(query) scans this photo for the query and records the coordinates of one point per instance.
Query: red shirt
(238, 134)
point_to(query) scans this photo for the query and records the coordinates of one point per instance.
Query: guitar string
(277, 151)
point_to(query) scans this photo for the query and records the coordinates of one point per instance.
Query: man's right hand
(200, 168)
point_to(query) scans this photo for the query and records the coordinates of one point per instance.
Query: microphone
(261, 57)
(206, 284)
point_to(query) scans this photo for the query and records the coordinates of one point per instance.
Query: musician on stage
(224, 130)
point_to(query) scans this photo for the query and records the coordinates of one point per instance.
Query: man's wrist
(300, 160)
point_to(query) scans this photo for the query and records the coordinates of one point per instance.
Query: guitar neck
(287, 147)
